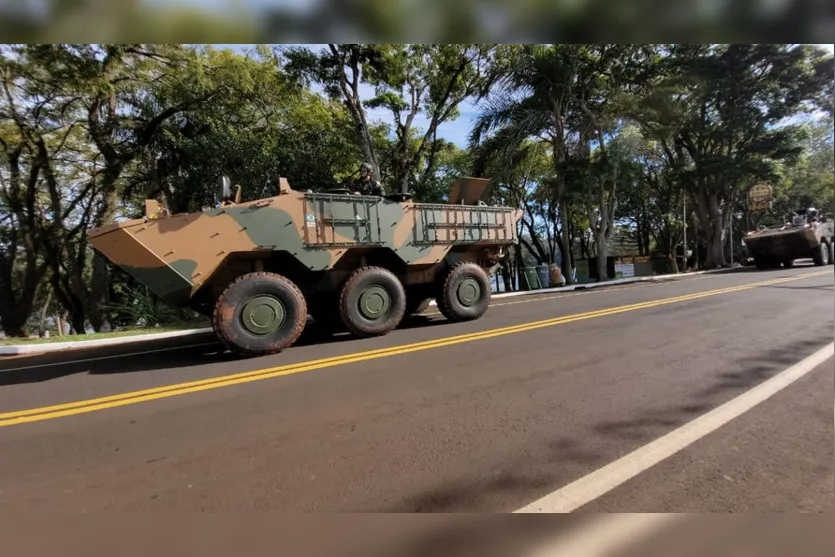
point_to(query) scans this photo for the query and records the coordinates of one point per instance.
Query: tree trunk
(99, 295)
(44, 312)
(715, 256)
(566, 263)
(78, 323)
(710, 218)
(602, 257)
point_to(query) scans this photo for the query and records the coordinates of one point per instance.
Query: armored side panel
(175, 256)
(170, 278)
(417, 233)
(781, 243)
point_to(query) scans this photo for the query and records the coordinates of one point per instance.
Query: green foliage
(721, 112)
(144, 309)
(411, 82)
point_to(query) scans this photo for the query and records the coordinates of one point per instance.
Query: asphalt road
(483, 416)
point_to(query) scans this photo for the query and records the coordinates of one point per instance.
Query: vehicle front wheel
(821, 254)
(259, 314)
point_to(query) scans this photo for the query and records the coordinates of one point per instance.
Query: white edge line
(41, 348)
(592, 486)
(128, 339)
(109, 357)
(605, 534)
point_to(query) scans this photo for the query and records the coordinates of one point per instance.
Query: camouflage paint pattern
(175, 256)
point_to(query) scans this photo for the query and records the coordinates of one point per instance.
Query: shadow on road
(164, 354)
(463, 495)
(725, 387)
(789, 287)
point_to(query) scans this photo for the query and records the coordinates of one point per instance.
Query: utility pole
(684, 218)
(731, 234)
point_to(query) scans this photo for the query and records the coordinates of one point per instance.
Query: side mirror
(225, 186)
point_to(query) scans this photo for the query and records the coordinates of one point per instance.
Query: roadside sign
(759, 197)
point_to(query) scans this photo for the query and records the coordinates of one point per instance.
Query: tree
(109, 102)
(429, 81)
(255, 135)
(612, 171)
(726, 106)
(21, 266)
(807, 183)
(568, 97)
(413, 82)
(533, 97)
(341, 69)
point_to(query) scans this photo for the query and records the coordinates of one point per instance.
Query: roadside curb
(58, 346)
(616, 282)
(35, 348)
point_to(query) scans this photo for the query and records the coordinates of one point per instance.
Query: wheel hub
(374, 302)
(469, 292)
(263, 315)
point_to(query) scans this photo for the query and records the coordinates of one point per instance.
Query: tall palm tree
(533, 99)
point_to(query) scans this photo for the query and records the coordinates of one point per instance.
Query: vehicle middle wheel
(259, 314)
(372, 302)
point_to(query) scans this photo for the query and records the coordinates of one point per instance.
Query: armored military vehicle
(807, 234)
(355, 262)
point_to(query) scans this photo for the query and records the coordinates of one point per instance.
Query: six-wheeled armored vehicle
(353, 262)
(807, 234)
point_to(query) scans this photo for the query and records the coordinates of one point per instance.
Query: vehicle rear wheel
(259, 314)
(464, 293)
(820, 255)
(832, 252)
(372, 302)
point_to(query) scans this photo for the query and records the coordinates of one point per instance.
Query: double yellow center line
(83, 406)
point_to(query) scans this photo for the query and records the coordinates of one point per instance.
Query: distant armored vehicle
(355, 262)
(807, 235)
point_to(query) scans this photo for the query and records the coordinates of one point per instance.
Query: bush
(143, 308)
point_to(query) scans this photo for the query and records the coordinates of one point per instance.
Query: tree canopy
(598, 144)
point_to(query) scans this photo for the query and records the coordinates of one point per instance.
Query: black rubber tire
(820, 255)
(448, 302)
(832, 252)
(227, 318)
(357, 282)
(788, 263)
